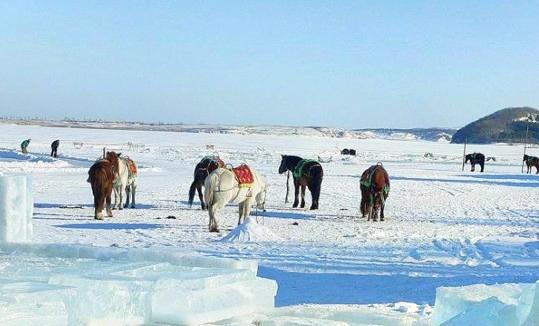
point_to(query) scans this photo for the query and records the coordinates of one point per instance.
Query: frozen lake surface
(443, 227)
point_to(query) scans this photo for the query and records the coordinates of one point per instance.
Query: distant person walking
(24, 146)
(54, 148)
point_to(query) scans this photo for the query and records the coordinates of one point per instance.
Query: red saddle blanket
(132, 166)
(244, 175)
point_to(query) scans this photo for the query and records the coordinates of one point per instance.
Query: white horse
(131, 186)
(222, 187)
(124, 182)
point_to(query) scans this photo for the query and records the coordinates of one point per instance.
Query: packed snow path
(443, 227)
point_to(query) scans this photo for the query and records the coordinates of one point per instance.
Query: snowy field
(443, 227)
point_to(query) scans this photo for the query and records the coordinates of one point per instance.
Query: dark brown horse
(374, 186)
(476, 158)
(531, 161)
(101, 177)
(206, 166)
(307, 173)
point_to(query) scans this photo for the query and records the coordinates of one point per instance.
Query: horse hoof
(121, 208)
(214, 230)
(132, 206)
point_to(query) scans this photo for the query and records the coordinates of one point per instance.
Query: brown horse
(101, 176)
(531, 161)
(374, 186)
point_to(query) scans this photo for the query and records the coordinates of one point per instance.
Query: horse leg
(127, 196)
(99, 200)
(382, 210)
(315, 195)
(109, 200)
(241, 211)
(302, 196)
(201, 196)
(296, 193)
(133, 190)
(214, 223)
(473, 167)
(122, 191)
(363, 206)
(369, 212)
(482, 167)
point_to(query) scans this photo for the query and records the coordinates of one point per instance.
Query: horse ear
(119, 154)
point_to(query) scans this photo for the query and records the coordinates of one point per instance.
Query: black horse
(206, 166)
(307, 173)
(531, 161)
(476, 158)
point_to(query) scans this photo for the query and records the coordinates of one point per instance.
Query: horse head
(283, 168)
(113, 158)
(526, 157)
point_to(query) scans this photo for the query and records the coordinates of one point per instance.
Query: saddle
(132, 166)
(244, 175)
(300, 167)
(366, 177)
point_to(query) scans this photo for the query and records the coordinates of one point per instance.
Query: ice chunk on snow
(503, 304)
(16, 208)
(106, 300)
(250, 231)
(299, 321)
(213, 303)
(489, 312)
(113, 286)
(31, 303)
(532, 299)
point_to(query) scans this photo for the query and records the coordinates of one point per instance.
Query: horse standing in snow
(125, 179)
(206, 166)
(531, 161)
(476, 158)
(307, 173)
(374, 185)
(101, 177)
(241, 185)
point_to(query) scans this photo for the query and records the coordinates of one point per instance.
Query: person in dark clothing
(24, 146)
(54, 148)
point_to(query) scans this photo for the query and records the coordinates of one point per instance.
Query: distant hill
(503, 126)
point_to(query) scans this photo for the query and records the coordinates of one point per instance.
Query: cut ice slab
(501, 304)
(31, 303)
(211, 302)
(16, 208)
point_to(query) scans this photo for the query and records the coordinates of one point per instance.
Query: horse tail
(317, 174)
(192, 192)
(211, 181)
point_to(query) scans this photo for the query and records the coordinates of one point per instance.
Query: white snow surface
(444, 226)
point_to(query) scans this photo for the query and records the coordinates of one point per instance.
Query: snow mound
(250, 231)
(11, 159)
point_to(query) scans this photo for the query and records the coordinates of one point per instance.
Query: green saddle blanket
(299, 169)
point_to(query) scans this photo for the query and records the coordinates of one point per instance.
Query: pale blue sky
(350, 64)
